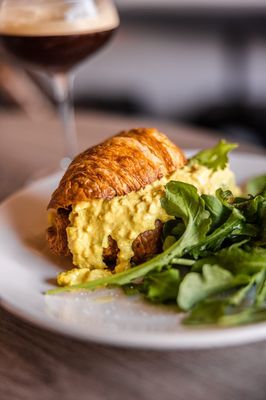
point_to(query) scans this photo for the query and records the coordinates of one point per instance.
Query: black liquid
(55, 53)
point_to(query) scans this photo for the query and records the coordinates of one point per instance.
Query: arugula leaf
(250, 207)
(218, 312)
(246, 316)
(254, 211)
(162, 286)
(218, 212)
(256, 185)
(181, 200)
(213, 242)
(168, 242)
(250, 294)
(215, 157)
(122, 278)
(195, 287)
(237, 260)
(206, 312)
(245, 305)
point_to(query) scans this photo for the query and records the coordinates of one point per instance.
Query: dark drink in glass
(55, 53)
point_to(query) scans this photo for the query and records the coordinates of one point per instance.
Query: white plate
(105, 316)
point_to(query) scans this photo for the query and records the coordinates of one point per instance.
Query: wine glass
(54, 36)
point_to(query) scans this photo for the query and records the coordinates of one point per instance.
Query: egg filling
(124, 218)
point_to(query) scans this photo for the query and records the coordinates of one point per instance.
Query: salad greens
(213, 264)
(215, 157)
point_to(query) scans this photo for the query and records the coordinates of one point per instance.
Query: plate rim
(159, 341)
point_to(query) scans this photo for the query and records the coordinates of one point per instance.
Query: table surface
(36, 364)
(201, 4)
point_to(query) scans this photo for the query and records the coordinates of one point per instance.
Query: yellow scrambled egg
(124, 218)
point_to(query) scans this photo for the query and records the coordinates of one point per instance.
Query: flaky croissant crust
(124, 163)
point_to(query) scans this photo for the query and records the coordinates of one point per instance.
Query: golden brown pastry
(125, 163)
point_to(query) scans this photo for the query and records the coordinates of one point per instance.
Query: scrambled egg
(124, 218)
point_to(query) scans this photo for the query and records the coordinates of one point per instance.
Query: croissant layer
(126, 162)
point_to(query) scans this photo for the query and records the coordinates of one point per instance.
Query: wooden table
(36, 364)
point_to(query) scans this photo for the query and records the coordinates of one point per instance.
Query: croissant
(120, 174)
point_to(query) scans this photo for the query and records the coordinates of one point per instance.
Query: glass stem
(62, 86)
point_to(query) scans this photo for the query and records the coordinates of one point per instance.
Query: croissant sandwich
(106, 212)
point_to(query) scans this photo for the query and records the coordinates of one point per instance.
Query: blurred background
(195, 61)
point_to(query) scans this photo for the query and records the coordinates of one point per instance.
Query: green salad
(213, 264)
